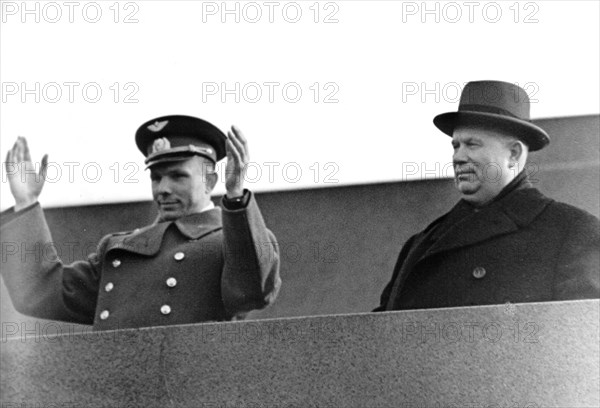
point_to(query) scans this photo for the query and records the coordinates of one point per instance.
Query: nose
(163, 186)
(459, 156)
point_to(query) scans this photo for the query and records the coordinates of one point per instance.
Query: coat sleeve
(387, 291)
(577, 274)
(38, 283)
(250, 278)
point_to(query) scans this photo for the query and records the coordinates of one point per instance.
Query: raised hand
(237, 161)
(25, 183)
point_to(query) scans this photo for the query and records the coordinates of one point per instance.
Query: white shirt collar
(210, 206)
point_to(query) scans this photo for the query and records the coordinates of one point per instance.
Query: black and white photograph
(311, 203)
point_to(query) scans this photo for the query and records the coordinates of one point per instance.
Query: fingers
(232, 151)
(237, 159)
(25, 147)
(239, 142)
(44, 168)
(8, 162)
(20, 150)
(13, 151)
(238, 133)
(11, 163)
(235, 143)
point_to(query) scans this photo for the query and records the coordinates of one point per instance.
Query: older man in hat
(196, 263)
(504, 241)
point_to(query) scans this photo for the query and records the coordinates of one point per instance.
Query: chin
(466, 187)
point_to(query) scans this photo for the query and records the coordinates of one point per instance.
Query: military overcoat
(210, 266)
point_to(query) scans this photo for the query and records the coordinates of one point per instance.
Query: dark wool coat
(211, 266)
(524, 247)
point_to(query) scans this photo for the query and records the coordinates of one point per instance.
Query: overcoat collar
(514, 208)
(147, 240)
(513, 211)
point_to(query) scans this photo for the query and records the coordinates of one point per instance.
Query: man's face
(481, 163)
(181, 188)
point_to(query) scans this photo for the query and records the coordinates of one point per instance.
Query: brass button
(171, 282)
(179, 256)
(109, 286)
(479, 272)
(165, 309)
(104, 315)
(116, 263)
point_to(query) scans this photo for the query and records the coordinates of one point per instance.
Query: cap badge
(158, 126)
(160, 145)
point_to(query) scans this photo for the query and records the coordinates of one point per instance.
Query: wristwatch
(237, 203)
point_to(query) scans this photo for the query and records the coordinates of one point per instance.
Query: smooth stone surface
(524, 355)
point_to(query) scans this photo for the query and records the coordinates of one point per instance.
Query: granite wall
(517, 356)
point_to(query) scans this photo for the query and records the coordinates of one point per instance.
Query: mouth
(465, 175)
(167, 204)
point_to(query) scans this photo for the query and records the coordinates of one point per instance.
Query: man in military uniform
(196, 263)
(504, 241)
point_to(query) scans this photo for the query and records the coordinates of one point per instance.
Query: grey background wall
(339, 244)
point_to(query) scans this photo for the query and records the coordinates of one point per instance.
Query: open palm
(237, 160)
(25, 182)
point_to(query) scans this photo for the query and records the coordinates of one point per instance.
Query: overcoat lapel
(195, 226)
(477, 227)
(505, 216)
(502, 217)
(147, 241)
(405, 265)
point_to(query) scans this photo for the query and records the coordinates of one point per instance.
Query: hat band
(487, 109)
(191, 149)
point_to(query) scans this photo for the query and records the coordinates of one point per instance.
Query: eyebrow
(467, 139)
(168, 171)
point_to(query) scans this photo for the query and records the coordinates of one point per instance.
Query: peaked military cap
(497, 105)
(179, 137)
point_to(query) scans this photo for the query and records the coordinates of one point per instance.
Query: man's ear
(209, 175)
(211, 181)
(518, 151)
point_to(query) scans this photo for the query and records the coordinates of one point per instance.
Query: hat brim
(174, 158)
(534, 136)
(192, 127)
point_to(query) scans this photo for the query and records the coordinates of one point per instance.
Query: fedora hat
(495, 105)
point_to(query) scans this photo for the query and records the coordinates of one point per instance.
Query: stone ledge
(522, 355)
